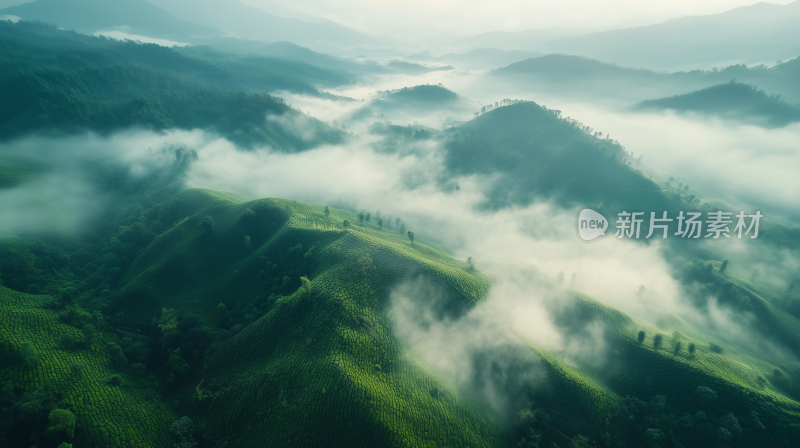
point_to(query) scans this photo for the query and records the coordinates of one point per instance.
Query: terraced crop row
(129, 415)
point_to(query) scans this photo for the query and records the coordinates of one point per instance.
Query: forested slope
(61, 81)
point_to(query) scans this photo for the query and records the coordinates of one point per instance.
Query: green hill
(433, 94)
(56, 80)
(265, 321)
(534, 152)
(88, 16)
(416, 99)
(538, 152)
(732, 100)
(752, 33)
(583, 78)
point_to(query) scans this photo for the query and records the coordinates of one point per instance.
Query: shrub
(691, 348)
(181, 431)
(89, 332)
(658, 340)
(118, 359)
(177, 366)
(28, 354)
(305, 286)
(641, 336)
(208, 225)
(705, 394)
(70, 342)
(139, 352)
(77, 370)
(366, 264)
(715, 348)
(139, 368)
(730, 423)
(61, 426)
(222, 315)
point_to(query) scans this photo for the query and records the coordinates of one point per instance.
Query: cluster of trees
(658, 343)
(38, 417)
(655, 423)
(428, 93)
(504, 102)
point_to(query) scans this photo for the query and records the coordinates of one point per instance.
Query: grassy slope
(323, 368)
(131, 415)
(319, 368)
(642, 370)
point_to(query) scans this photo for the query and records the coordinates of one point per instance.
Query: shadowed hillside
(732, 101)
(61, 81)
(582, 78)
(135, 16)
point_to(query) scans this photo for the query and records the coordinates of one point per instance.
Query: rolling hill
(583, 78)
(754, 34)
(266, 322)
(62, 81)
(244, 21)
(134, 16)
(732, 100)
(480, 58)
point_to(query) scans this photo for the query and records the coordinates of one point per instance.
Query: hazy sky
(424, 18)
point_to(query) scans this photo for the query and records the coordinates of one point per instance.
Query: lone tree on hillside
(691, 348)
(380, 223)
(641, 336)
(28, 354)
(207, 223)
(345, 224)
(361, 219)
(77, 370)
(657, 341)
(705, 394)
(90, 332)
(327, 212)
(411, 236)
(181, 431)
(61, 425)
(723, 267)
(367, 217)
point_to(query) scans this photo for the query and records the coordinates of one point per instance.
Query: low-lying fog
(532, 250)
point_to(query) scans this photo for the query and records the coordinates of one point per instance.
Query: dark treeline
(60, 80)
